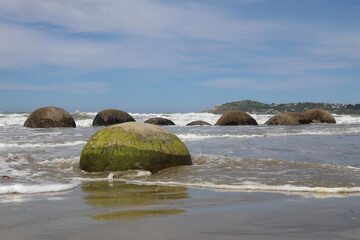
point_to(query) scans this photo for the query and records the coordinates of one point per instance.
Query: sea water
(310, 159)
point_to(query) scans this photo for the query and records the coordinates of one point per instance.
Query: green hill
(259, 107)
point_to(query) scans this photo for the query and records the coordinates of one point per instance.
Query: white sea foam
(85, 114)
(180, 119)
(327, 131)
(84, 122)
(31, 189)
(41, 145)
(13, 119)
(252, 186)
(347, 119)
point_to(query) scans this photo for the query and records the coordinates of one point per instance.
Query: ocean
(316, 160)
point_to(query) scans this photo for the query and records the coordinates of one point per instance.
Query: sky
(176, 56)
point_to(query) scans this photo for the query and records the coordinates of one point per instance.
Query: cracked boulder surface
(133, 145)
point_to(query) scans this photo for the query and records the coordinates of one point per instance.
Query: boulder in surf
(198, 123)
(133, 145)
(288, 119)
(49, 117)
(160, 121)
(112, 116)
(319, 116)
(236, 117)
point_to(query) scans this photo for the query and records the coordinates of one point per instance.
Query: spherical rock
(319, 116)
(198, 123)
(236, 118)
(112, 116)
(160, 121)
(133, 145)
(49, 117)
(288, 119)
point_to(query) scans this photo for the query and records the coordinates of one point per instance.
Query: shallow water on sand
(113, 210)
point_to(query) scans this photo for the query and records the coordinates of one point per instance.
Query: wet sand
(103, 210)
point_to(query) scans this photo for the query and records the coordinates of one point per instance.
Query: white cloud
(145, 34)
(23, 47)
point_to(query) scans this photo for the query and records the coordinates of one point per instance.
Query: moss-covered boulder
(159, 121)
(133, 145)
(198, 123)
(236, 118)
(49, 117)
(319, 116)
(287, 119)
(112, 116)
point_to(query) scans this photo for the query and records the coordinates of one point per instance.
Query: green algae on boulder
(133, 145)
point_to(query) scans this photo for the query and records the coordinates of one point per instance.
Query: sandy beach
(114, 210)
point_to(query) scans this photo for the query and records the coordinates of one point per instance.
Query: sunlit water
(316, 158)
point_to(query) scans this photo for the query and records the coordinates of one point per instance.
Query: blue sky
(176, 56)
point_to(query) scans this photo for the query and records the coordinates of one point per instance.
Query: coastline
(113, 209)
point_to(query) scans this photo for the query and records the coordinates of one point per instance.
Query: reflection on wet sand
(121, 196)
(137, 214)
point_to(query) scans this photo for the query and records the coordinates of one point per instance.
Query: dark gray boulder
(112, 116)
(160, 121)
(49, 117)
(198, 123)
(288, 119)
(319, 116)
(236, 118)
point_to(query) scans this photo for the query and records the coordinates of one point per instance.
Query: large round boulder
(287, 119)
(49, 117)
(198, 123)
(319, 116)
(159, 121)
(133, 145)
(112, 116)
(236, 118)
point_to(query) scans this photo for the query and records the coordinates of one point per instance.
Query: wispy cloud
(145, 34)
(303, 82)
(159, 19)
(89, 87)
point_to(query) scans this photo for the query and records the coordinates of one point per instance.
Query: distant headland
(301, 107)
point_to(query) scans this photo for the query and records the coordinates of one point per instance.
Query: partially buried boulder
(198, 123)
(49, 117)
(160, 121)
(133, 145)
(288, 119)
(112, 116)
(236, 118)
(319, 116)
